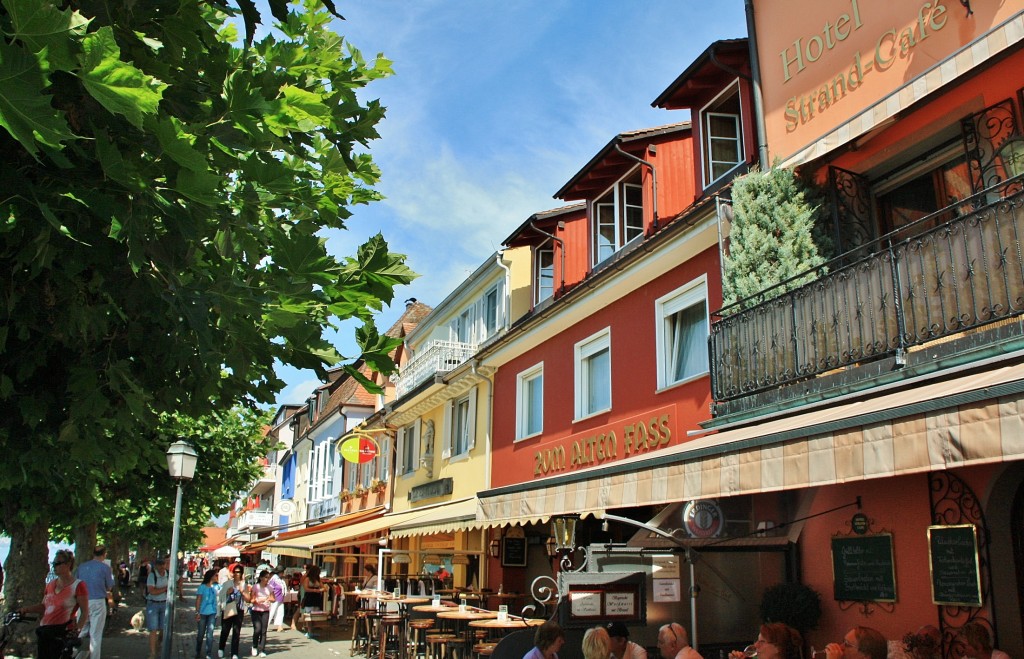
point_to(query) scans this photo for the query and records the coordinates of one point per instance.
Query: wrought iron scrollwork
(985, 135)
(954, 502)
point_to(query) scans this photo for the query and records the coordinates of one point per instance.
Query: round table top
(505, 596)
(510, 623)
(467, 614)
(430, 608)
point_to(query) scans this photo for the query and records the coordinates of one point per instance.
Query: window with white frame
(330, 465)
(594, 374)
(618, 216)
(384, 458)
(408, 449)
(491, 312)
(460, 425)
(723, 134)
(682, 333)
(351, 476)
(544, 274)
(530, 402)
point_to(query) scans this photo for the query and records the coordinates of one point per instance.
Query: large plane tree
(166, 179)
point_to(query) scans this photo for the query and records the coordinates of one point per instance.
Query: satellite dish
(285, 507)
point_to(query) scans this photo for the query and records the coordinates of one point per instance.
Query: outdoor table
(430, 608)
(461, 619)
(505, 626)
(504, 598)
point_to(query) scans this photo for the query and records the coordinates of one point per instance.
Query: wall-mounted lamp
(551, 547)
(494, 548)
(432, 559)
(563, 530)
(350, 560)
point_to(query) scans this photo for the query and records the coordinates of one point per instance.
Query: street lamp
(181, 464)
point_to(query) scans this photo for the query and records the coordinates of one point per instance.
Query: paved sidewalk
(122, 642)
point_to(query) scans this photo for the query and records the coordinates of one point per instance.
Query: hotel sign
(624, 439)
(825, 63)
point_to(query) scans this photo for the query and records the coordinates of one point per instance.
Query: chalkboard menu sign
(862, 568)
(953, 558)
(513, 552)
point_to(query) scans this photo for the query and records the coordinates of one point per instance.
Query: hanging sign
(358, 448)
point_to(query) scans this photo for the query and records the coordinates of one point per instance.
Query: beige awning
(297, 552)
(961, 421)
(454, 516)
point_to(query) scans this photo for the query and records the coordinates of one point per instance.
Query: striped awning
(968, 420)
(454, 516)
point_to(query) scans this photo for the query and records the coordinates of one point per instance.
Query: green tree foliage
(774, 235)
(164, 194)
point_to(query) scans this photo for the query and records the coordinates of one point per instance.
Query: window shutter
(416, 449)
(400, 457)
(446, 452)
(471, 421)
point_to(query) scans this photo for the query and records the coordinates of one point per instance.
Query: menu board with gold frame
(954, 566)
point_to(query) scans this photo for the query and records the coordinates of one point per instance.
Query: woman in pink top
(61, 598)
(261, 596)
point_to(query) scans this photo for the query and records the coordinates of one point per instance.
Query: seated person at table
(979, 642)
(371, 582)
(442, 574)
(547, 642)
(596, 644)
(622, 647)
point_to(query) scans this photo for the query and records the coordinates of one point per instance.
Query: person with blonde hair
(596, 643)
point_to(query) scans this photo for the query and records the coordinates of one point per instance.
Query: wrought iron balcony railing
(953, 271)
(435, 358)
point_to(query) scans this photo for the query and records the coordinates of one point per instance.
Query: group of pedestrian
(226, 592)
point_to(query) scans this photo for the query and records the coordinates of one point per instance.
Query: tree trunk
(85, 542)
(26, 569)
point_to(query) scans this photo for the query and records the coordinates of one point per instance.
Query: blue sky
(492, 108)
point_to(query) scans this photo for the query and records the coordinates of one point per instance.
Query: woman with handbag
(62, 598)
(233, 596)
(262, 597)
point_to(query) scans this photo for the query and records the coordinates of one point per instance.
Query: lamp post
(181, 463)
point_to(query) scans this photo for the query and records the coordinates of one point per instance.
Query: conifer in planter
(775, 234)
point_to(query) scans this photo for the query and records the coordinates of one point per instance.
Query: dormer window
(722, 134)
(618, 217)
(544, 274)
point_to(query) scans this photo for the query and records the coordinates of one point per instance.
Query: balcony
(435, 358)
(255, 519)
(952, 280)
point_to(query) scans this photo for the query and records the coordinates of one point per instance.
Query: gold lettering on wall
(890, 45)
(604, 446)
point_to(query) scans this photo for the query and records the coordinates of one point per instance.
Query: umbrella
(227, 551)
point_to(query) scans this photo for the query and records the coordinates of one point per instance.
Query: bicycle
(74, 648)
(7, 632)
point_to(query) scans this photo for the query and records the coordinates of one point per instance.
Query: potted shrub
(377, 485)
(345, 496)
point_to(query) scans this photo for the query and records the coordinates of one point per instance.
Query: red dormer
(717, 88)
(632, 186)
(557, 240)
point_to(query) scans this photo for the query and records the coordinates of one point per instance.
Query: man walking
(99, 579)
(156, 593)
